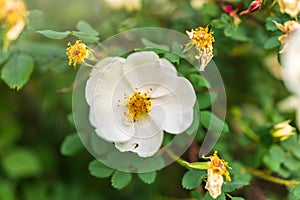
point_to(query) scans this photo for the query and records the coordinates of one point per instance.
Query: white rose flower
(291, 76)
(133, 100)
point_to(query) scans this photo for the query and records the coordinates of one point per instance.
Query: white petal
(140, 58)
(178, 107)
(151, 74)
(141, 143)
(289, 104)
(291, 64)
(166, 63)
(109, 126)
(96, 74)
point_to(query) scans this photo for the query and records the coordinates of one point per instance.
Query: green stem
(265, 176)
(250, 133)
(183, 163)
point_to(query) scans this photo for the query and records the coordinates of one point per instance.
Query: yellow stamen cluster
(202, 37)
(139, 106)
(77, 53)
(13, 15)
(219, 166)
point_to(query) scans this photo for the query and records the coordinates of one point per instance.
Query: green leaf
(217, 23)
(85, 27)
(277, 153)
(208, 197)
(71, 145)
(229, 30)
(294, 194)
(290, 143)
(272, 164)
(206, 99)
(226, 18)
(296, 151)
(148, 177)
(17, 70)
(99, 170)
(158, 51)
(7, 190)
(70, 119)
(283, 172)
(197, 195)
(192, 179)
(119, 179)
(240, 34)
(291, 163)
(196, 121)
(173, 58)
(296, 191)
(4, 56)
(212, 122)
(233, 185)
(36, 19)
(147, 43)
(86, 38)
(21, 163)
(54, 34)
(272, 42)
(270, 25)
(199, 81)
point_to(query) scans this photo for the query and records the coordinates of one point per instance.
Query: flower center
(139, 106)
(202, 37)
(76, 53)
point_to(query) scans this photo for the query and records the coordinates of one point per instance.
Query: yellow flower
(291, 7)
(287, 28)
(77, 53)
(201, 39)
(216, 170)
(13, 15)
(283, 130)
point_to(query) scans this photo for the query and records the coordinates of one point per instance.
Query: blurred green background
(35, 120)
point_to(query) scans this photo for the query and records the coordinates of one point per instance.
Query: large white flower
(133, 100)
(291, 76)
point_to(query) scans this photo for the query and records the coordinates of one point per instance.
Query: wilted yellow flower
(283, 130)
(288, 28)
(201, 39)
(291, 7)
(13, 15)
(77, 53)
(217, 168)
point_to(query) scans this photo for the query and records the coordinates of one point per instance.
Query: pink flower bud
(254, 6)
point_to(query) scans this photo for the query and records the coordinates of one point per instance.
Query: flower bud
(254, 6)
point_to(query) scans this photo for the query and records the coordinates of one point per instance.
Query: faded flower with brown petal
(290, 7)
(201, 39)
(13, 14)
(287, 28)
(217, 168)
